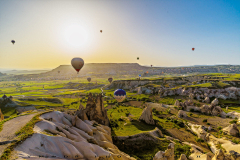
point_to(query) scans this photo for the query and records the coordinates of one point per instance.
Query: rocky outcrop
(75, 139)
(205, 109)
(147, 116)
(167, 155)
(214, 102)
(181, 114)
(1, 115)
(81, 113)
(207, 100)
(183, 157)
(231, 130)
(24, 109)
(95, 110)
(177, 103)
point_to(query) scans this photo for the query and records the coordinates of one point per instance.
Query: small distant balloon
(137, 58)
(193, 49)
(147, 72)
(110, 79)
(101, 31)
(89, 79)
(119, 95)
(151, 65)
(77, 63)
(139, 75)
(13, 42)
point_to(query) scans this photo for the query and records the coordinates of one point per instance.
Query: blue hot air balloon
(119, 95)
(139, 75)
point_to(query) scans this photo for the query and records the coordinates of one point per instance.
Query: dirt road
(7, 135)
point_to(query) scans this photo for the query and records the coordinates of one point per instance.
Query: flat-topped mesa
(95, 110)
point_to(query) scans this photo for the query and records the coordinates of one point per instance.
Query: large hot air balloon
(137, 58)
(119, 95)
(77, 63)
(110, 79)
(89, 79)
(101, 31)
(13, 42)
(193, 49)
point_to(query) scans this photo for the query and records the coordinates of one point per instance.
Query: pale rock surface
(167, 155)
(181, 114)
(147, 116)
(214, 102)
(183, 157)
(222, 96)
(177, 103)
(232, 129)
(207, 100)
(70, 142)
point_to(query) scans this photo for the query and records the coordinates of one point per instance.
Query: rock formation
(167, 155)
(214, 102)
(231, 130)
(95, 110)
(176, 103)
(207, 100)
(1, 115)
(75, 139)
(181, 114)
(183, 157)
(81, 113)
(147, 116)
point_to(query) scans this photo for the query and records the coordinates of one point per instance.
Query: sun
(76, 37)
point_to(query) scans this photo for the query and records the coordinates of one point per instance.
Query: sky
(49, 33)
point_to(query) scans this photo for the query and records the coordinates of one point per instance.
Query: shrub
(191, 110)
(208, 123)
(190, 114)
(233, 121)
(227, 116)
(199, 140)
(219, 127)
(205, 120)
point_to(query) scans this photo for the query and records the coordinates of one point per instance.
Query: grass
(24, 133)
(167, 100)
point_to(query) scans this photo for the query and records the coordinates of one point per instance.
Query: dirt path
(7, 135)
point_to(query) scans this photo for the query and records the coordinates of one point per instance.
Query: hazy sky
(49, 33)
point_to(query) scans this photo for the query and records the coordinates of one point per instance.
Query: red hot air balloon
(110, 80)
(77, 63)
(89, 79)
(193, 49)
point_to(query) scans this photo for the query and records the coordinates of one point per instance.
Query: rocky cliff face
(95, 110)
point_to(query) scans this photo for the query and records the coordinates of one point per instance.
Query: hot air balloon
(101, 31)
(110, 79)
(193, 49)
(151, 65)
(89, 79)
(147, 72)
(139, 75)
(77, 63)
(119, 95)
(13, 42)
(137, 58)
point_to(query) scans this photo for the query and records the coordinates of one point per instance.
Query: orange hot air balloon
(193, 49)
(147, 72)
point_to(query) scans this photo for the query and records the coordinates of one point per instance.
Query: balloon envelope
(137, 58)
(193, 49)
(101, 31)
(110, 80)
(13, 41)
(139, 75)
(77, 63)
(89, 79)
(119, 95)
